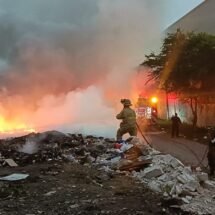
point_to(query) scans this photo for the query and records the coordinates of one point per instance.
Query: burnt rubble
(163, 174)
(48, 146)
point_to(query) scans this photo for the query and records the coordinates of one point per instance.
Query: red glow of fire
(13, 126)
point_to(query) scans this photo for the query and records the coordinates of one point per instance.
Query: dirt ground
(58, 188)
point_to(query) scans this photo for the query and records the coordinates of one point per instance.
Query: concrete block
(190, 177)
(178, 189)
(182, 179)
(200, 190)
(175, 163)
(202, 176)
(155, 186)
(209, 185)
(164, 178)
(185, 200)
(152, 172)
(173, 190)
(189, 198)
(192, 185)
(174, 174)
(162, 159)
(187, 170)
(11, 162)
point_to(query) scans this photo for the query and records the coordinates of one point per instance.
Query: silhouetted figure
(175, 125)
(211, 156)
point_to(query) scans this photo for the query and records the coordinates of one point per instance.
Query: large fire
(10, 127)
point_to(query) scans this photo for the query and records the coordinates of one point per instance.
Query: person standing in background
(176, 121)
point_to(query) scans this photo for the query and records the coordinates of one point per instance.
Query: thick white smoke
(30, 147)
(64, 64)
(81, 111)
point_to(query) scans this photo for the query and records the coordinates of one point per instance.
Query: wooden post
(167, 105)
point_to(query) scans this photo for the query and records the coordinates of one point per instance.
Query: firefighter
(128, 117)
(176, 121)
(211, 155)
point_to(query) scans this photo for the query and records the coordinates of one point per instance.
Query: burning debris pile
(48, 146)
(162, 173)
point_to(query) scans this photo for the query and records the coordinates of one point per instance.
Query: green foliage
(185, 62)
(185, 65)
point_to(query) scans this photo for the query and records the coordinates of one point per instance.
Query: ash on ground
(76, 174)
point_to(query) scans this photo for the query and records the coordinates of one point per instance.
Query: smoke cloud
(29, 147)
(64, 64)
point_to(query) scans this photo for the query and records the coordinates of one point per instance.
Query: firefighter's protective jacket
(128, 117)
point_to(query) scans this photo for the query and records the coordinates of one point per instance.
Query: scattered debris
(11, 162)
(134, 166)
(14, 177)
(162, 173)
(152, 172)
(50, 193)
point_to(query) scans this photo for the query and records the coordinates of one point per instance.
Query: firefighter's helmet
(126, 102)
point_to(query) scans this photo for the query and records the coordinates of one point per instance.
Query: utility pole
(167, 105)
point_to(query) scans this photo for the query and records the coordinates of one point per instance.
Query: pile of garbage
(50, 146)
(169, 176)
(162, 173)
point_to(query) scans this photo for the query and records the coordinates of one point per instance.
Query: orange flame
(13, 126)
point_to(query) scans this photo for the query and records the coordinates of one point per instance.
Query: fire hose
(138, 127)
(200, 160)
(205, 153)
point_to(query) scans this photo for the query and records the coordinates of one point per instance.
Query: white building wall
(200, 19)
(206, 113)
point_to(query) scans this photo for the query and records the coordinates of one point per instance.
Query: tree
(185, 65)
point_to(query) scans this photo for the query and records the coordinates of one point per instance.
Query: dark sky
(23, 18)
